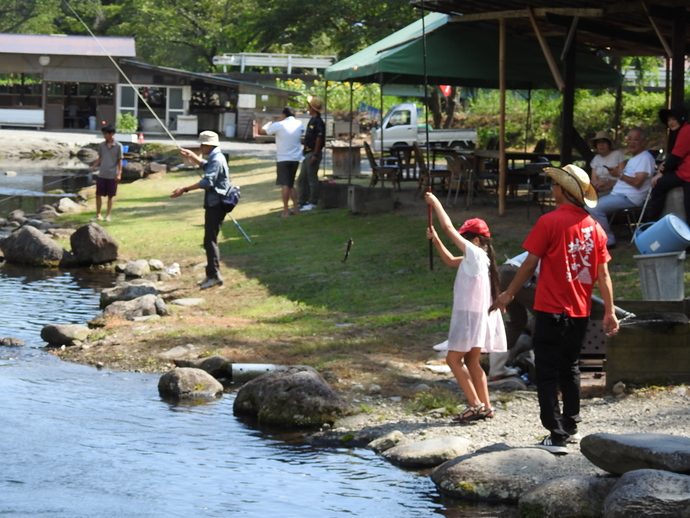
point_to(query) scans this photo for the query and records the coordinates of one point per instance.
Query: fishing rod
(136, 90)
(141, 97)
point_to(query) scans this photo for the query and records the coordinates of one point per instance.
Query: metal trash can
(662, 275)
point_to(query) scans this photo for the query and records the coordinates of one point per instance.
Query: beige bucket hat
(602, 135)
(208, 138)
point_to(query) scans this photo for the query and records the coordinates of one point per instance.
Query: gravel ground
(517, 424)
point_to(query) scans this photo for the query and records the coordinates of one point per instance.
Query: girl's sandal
(489, 413)
(471, 413)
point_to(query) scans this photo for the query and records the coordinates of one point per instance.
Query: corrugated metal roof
(209, 78)
(65, 45)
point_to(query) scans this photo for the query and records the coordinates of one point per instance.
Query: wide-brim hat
(602, 135)
(315, 102)
(575, 181)
(476, 226)
(679, 112)
(208, 138)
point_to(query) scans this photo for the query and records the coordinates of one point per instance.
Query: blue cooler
(669, 234)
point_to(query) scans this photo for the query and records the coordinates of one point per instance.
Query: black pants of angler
(557, 343)
(658, 197)
(213, 220)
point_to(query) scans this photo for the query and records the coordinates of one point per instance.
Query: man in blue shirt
(216, 182)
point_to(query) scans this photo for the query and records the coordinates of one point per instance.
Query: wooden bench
(22, 117)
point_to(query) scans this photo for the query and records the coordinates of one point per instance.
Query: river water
(76, 441)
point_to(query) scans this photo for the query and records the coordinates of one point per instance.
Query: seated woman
(675, 171)
(608, 157)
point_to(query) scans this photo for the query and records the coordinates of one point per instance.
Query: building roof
(209, 78)
(66, 45)
(616, 27)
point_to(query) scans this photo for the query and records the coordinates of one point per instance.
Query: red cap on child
(476, 225)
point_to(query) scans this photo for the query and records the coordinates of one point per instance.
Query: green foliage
(126, 123)
(436, 398)
(594, 111)
(338, 95)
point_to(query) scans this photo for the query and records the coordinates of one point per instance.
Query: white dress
(471, 324)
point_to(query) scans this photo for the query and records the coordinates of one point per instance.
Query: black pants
(213, 220)
(658, 197)
(557, 342)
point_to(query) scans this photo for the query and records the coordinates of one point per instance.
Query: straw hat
(602, 135)
(574, 180)
(208, 138)
(315, 102)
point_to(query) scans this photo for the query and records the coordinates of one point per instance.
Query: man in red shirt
(573, 254)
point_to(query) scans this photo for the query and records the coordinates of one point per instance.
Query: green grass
(289, 289)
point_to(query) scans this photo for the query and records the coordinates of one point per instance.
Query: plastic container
(661, 275)
(230, 130)
(92, 123)
(669, 234)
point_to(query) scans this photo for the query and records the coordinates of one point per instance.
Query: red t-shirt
(682, 150)
(571, 246)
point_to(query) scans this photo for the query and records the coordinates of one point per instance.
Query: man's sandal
(471, 413)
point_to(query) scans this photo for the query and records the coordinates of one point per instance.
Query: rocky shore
(388, 420)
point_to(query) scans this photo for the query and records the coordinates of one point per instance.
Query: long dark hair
(486, 245)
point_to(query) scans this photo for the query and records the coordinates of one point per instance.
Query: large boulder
(567, 497)
(291, 397)
(128, 290)
(499, 476)
(64, 334)
(649, 492)
(186, 383)
(619, 454)
(91, 244)
(139, 307)
(132, 171)
(429, 453)
(29, 245)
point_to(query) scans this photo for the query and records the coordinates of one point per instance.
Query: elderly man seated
(632, 183)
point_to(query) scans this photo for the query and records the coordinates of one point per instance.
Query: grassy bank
(288, 296)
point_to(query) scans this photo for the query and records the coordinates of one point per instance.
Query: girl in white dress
(473, 330)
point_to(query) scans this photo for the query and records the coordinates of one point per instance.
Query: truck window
(400, 118)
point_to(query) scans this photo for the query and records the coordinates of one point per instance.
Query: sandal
(471, 413)
(489, 413)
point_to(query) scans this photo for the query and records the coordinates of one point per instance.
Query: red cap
(476, 225)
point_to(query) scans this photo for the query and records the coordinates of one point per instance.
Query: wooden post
(502, 169)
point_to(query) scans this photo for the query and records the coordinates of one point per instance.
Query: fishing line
(136, 90)
(141, 97)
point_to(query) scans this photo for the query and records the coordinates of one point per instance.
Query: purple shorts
(106, 187)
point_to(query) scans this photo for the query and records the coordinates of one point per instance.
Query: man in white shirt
(632, 185)
(288, 132)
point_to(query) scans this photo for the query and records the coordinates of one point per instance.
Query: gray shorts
(286, 173)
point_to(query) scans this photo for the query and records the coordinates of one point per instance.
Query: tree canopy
(188, 33)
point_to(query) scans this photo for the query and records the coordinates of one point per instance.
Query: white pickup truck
(401, 125)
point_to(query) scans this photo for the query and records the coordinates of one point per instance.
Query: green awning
(463, 54)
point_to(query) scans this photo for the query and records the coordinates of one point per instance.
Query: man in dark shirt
(314, 140)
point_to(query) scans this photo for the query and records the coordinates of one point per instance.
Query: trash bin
(662, 275)
(92, 123)
(230, 130)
